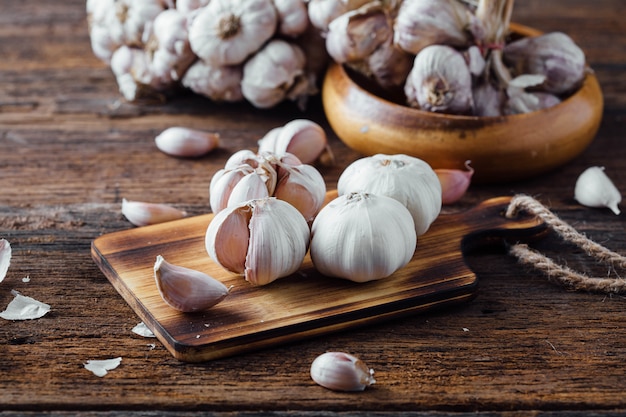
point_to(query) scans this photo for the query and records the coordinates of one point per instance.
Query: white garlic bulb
(227, 32)
(362, 237)
(405, 178)
(217, 82)
(595, 189)
(293, 18)
(440, 81)
(275, 73)
(186, 289)
(341, 371)
(263, 239)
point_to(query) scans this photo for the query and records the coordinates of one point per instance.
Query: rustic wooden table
(70, 151)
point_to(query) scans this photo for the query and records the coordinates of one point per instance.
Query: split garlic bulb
(186, 289)
(405, 178)
(595, 189)
(341, 371)
(440, 81)
(227, 32)
(263, 239)
(362, 237)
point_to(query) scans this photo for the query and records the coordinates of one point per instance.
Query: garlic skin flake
(24, 308)
(143, 214)
(186, 289)
(185, 142)
(102, 367)
(362, 237)
(595, 189)
(5, 258)
(405, 178)
(262, 239)
(341, 371)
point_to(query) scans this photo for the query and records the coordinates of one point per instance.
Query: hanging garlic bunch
(249, 176)
(362, 237)
(407, 179)
(219, 83)
(262, 239)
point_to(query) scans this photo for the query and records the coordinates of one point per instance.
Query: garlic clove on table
(362, 237)
(341, 371)
(263, 239)
(141, 213)
(595, 189)
(186, 142)
(186, 289)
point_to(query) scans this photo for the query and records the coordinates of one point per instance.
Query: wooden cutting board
(305, 304)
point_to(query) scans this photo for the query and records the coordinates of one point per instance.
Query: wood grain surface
(70, 150)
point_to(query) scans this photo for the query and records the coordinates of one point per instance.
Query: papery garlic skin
(407, 179)
(440, 81)
(186, 142)
(554, 55)
(362, 237)
(5, 258)
(275, 73)
(421, 23)
(303, 138)
(595, 189)
(186, 289)
(263, 239)
(227, 32)
(454, 182)
(341, 371)
(140, 213)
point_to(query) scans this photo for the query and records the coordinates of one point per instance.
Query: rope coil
(558, 273)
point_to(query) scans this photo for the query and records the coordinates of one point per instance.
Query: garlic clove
(142, 214)
(186, 289)
(595, 189)
(251, 186)
(263, 239)
(407, 179)
(241, 157)
(362, 237)
(185, 142)
(304, 188)
(303, 138)
(5, 258)
(454, 182)
(341, 371)
(222, 184)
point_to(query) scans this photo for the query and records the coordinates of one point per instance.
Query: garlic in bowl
(501, 148)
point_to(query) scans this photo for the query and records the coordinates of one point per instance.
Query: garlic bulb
(341, 371)
(454, 182)
(389, 65)
(407, 179)
(275, 73)
(300, 137)
(185, 142)
(263, 239)
(421, 23)
(219, 83)
(144, 214)
(554, 55)
(171, 54)
(186, 289)
(440, 81)
(322, 12)
(362, 237)
(521, 101)
(293, 18)
(354, 35)
(595, 189)
(227, 32)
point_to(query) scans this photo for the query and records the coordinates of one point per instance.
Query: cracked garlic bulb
(440, 81)
(407, 179)
(227, 32)
(263, 239)
(362, 237)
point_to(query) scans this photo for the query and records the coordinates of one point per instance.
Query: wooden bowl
(502, 149)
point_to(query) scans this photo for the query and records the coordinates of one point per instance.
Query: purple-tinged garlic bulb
(488, 99)
(440, 81)
(522, 101)
(554, 55)
(322, 12)
(389, 65)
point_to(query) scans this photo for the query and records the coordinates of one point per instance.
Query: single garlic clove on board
(143, 214)
(362, 237)
(341, 371)
(263, 239)
(454, 182)
(185, 142)
(407, 179)
(595, 189)
(186, 289)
